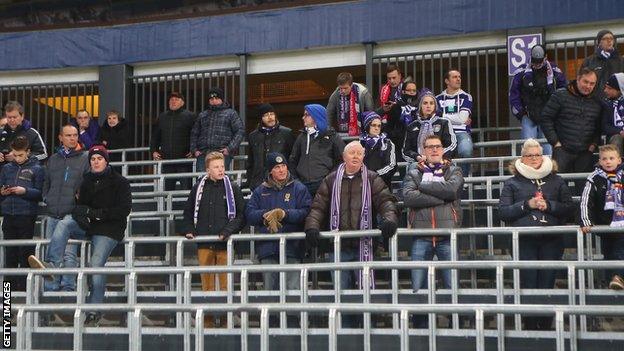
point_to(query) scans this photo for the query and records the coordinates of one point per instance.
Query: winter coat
(294, 199)
(212, 218)
(609, 109)
(513, 205)
(63, 178)
(433, 204)
(37, 146)
(313, 163)
(216, 128)
(382, 201)
(90, 136)
(333, 104)
(604, 68)
(592, 205)
(441, 127)
(117, 137)
(108, 193)
(530, 91)
(172, 133)
(381, 159)
(28, 175)
(572, 119)
(261, 143)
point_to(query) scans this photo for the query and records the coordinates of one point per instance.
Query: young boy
(21, 182)
(602, 202)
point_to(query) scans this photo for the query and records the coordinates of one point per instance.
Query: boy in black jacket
(602, 202)
(21, 181)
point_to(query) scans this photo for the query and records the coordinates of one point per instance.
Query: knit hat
(99, 150)
(616, 81)
(369, 117)
(273, 159)
(319, 114)
(601, 34)
(265, 108)
(215, 92)
(424, 92)
(175, 94)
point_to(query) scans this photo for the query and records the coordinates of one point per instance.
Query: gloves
(388, 229)
(312, 238)
(80, 214)
(96, 214)
(273, 218)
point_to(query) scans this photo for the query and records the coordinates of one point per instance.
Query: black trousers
(18, 228)
(170, 183)
(574, 162)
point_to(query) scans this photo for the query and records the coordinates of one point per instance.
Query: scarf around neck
(432, 172)
(366, 243)
(229, 198)
(614, 197)
(384, 97)
(426, 129)
(349, 114)
(532, 173)
(369, 141)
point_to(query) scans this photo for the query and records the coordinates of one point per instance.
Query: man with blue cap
(317, 150)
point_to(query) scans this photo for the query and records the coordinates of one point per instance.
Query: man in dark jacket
(215, 207)
(571, 123)
(88, 129)
(171, 139)
(16, 126)
(347, 103)
(605, 61)
(219, 128)
(279, 205)
(532, 86)
(317, 150)
(613, 111)
(269, 137)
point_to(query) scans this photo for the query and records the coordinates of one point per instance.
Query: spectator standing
(379, 150)
(613, 112)
(115, 133)
(390, 93)
(606, 60)
(347, 103)
(88, 129)
(15, 126)
(401, 115)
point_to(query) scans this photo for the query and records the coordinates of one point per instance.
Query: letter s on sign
(519, 57)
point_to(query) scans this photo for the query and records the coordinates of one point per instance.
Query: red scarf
(354, 128)
(384, 98)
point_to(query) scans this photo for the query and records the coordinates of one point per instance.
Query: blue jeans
(613, 250)
(60, 254)
(464, 150)
(200, 164)
(531, 129)
(271, 279)
(423, 250)
(101, 248)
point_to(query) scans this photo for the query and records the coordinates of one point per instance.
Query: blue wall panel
(289, 29)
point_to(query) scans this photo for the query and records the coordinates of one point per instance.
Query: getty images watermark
(6, 314)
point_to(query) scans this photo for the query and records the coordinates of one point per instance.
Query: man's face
(433, 151)
(607, 42)
(279, 173)
(308, 121)
(269, 119)
(586, 83)
(98, 163)
(609, 160)
(394, 78)
(83, 119)
(344, 89)
(20, 156)
(453, 82)
(175, 103)
(215, 101)
(14, 118)
(611, 93)
(216, 169)
(353, 158)
(69, 137)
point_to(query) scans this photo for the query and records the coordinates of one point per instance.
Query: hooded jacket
(592, 205)
(117, 137)
(513, 205)
(172, 133)
(381, 158)
(28, 175)
(261, 143)
(572, 119)
(37, 146)
(530, 91)
(216, 128)
(63, 177)
(294, 199)
(613, 111)
(90, 136)
(441, 127)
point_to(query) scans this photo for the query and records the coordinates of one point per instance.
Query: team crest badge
(279, 159)
(286, 197)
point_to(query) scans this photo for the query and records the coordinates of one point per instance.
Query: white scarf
(532, 173)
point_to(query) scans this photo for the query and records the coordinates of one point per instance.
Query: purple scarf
(366, 243)
(229, 198)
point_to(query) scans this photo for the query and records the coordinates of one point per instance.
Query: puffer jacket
(517, 190)
(313, 163)
(294, 199)
(572, 119)
(28, 175)
(261, 143)
(63, 178)
(592, 205)
(172, 133)
(433, 204)
(382, 201)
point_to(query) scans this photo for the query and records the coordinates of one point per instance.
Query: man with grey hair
(352, 198)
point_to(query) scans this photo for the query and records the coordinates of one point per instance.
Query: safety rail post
(366, 282)
(78, 330)
(135, 331)
(199, 330)
(244, 284)
(303, 285)
(264, 329)
(333, 330)
(405, 330)
(500, 299)
(582, 284)
(230, 282)
(572, 302)
(490, 217)
(337, 274)
(515, 252)
(129, 263)
(560, 330)
(132, 291)
(23, 334)
(186, 292)
(179, 281)
(395, 277)
(454, 278)
(433, 319)
(480, 338)
(282, 280)
(590, 257)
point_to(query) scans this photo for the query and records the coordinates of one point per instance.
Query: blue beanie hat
(319, 114)
(273, 159)
(369, 117)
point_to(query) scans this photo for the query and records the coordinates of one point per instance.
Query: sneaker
(35, 263)
(93, 319)
(617, 283)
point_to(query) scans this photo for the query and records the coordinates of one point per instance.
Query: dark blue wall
(288, 29)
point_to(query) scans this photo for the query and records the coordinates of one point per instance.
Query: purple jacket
(529, 93)
(90, 136)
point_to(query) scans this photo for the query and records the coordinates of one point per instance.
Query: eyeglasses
(433, 147)
(533, 156)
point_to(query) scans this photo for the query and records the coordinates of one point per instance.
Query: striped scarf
(366, 243)
(229, 198)
(349, 118)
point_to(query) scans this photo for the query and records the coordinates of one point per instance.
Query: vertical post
(369, 46)
(405, 330)
(264, 329)
(242, 89)
(480, 339)
(199, 330)
(78, 329)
